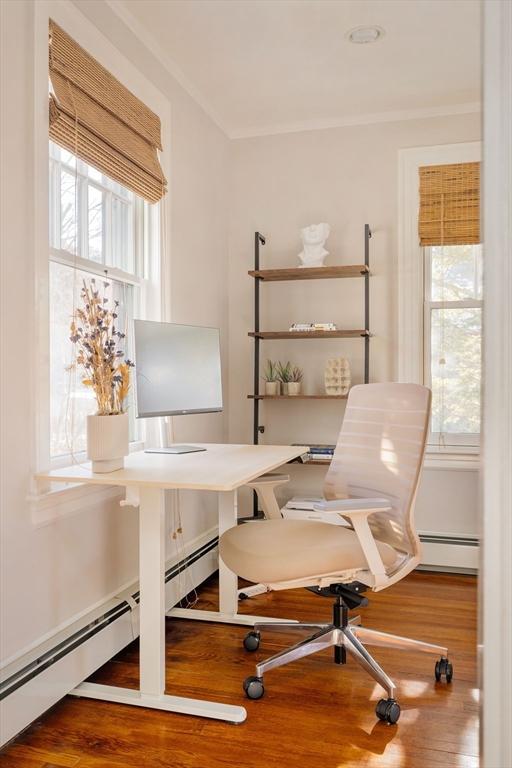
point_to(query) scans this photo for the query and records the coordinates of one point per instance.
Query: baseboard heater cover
(449, 552)
(30, 673)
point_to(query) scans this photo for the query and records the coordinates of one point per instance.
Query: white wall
(49, 574)
(347, 177)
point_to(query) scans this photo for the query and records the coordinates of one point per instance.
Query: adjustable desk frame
(146, 486)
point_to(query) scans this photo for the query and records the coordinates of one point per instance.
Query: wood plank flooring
(313, 714)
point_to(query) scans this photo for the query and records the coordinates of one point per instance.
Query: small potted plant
(284, 372)
(295, 382)
(99, 355)
(271, 378)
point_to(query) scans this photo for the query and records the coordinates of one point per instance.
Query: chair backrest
(380, 454)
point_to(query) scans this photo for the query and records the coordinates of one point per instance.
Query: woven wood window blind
(94, 116)
(449, 204)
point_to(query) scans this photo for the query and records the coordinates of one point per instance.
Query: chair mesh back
(380, 454)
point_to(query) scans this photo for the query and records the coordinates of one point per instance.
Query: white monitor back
(178, 369)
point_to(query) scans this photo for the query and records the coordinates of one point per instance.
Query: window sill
(70, 499)
(81, 457)
(468, 460)
(64, 499)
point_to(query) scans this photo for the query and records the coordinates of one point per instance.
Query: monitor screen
(177, 369)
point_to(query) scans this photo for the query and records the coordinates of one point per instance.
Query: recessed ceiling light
(365, 34)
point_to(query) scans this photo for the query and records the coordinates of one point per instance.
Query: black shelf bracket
(258, 429)
(367, 236)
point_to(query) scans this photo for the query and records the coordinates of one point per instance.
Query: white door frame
(496, 589)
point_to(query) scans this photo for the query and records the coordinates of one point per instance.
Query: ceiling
(267, 66)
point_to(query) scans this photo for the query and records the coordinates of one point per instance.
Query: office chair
(372, 483)
(264, 486)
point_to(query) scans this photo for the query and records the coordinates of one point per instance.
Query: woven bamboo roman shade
(94, 116)
(449, 204)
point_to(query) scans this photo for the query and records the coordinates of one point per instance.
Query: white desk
(146, 476)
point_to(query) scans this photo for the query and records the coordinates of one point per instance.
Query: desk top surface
(219, 468)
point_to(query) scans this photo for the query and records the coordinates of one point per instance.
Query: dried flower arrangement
(97, 339)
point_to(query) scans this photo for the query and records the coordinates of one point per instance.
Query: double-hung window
(452, 342)
(440, 291)
(97, 231)
(105, 187)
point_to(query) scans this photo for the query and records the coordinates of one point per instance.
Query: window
(95, 225)
(452, 342)
(440, 293)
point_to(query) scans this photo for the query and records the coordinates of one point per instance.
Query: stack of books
(318, 452)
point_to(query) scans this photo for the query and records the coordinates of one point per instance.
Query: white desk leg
(228, 581)
(152, 628)
(152, 591)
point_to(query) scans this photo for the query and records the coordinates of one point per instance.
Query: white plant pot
(272, 388)
(107, 441)
(294, 388)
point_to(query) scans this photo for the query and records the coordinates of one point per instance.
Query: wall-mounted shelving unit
(305, 273)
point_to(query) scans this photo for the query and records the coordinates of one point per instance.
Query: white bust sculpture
(313, 241)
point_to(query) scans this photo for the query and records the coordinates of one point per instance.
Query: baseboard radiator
(31, 685)
(449, 552)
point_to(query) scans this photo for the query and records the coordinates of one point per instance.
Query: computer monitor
(177, 371)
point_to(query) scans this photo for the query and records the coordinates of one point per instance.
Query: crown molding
(344, 121)
(118, 7)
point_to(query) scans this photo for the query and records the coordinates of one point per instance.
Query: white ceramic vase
(294, 388)
(107, 441)
(272, 388)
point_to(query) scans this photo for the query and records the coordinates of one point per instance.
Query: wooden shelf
(309, 334)
(310, 273)
(297, 397)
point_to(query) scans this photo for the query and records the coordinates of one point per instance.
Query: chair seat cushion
(271, 551)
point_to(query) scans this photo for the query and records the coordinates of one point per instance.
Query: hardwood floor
(313, 714)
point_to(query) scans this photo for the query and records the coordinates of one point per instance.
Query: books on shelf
(317, 452)
(301, 327)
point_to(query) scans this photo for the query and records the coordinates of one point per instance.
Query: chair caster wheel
(243, 596)
(253, 687)
(443, 667)
(388, 710)
(252, 641)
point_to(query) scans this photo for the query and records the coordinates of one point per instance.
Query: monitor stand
(176, 449)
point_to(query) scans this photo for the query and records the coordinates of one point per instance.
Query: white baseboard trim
(449, 552)
(32, 684)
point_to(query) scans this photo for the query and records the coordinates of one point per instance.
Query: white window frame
(411, 279)
(68, 500)
(146, 256)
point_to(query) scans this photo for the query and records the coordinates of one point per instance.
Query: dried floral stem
(94, 332)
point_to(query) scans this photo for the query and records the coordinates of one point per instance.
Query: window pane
(122, 235)
(456, 370)
(95, 224)
(94, 174)
(456, 272)
(68, 158)
(68, 205)
(70, 400)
